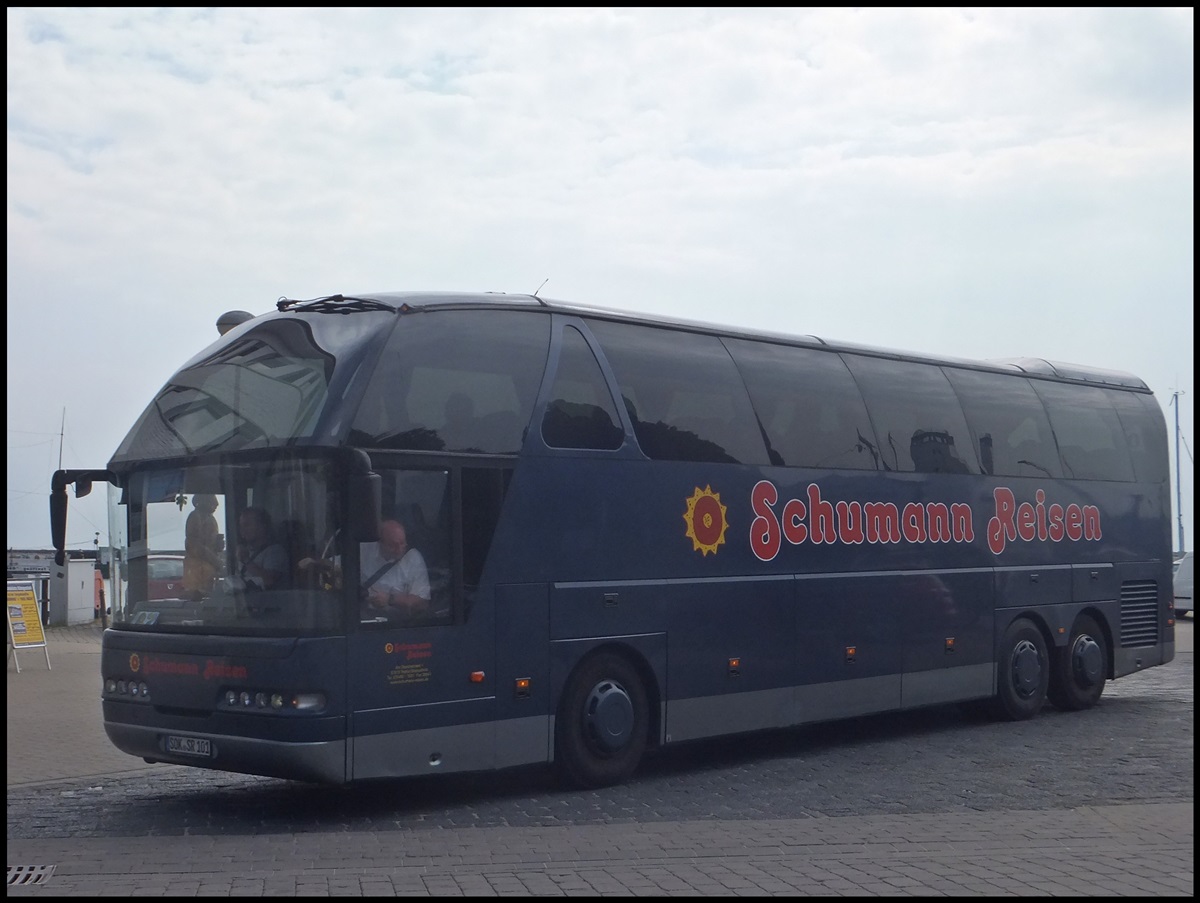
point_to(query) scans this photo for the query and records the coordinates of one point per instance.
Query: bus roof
(412, 301)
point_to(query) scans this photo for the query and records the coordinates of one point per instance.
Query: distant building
(68, 594)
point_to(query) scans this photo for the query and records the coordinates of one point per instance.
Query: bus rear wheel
(602, 721)
(1023, 672)
(1081, 668)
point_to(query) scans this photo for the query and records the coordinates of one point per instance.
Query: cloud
(988, 182)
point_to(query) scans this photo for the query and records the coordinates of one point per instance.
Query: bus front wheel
(1023, 672)
(1081, 668)
(601, 725)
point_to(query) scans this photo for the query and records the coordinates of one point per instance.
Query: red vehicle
(164, 577)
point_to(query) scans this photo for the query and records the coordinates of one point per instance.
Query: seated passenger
(262, 563)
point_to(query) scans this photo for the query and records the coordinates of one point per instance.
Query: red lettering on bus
(1040, 521)
(1057, 528)
(850, 522)
(221, 670)
(821, 522)
(1002, 526)
(914, 522)
(823, 529)
(794, 530)
(164, 666)
(1026, 523)
(764, 529)
(1074, 523)
(883, 522)
(939, 522)
(963, 522)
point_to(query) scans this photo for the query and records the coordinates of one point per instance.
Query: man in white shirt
(394, 577)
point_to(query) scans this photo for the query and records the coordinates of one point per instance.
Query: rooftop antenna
(542, 286)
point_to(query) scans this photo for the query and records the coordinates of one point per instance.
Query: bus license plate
(189, 746)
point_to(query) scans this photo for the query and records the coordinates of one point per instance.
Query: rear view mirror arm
(82, 480)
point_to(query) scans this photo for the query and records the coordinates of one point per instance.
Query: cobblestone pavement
(935, 802)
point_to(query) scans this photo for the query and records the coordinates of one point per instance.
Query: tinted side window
(683, 393)
(1145, 432)
(916, 416)
(808, 404)
(1009, 427)
(1091, 442)
(456, 381)
(581, 412)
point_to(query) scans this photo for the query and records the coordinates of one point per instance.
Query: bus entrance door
(421, 698)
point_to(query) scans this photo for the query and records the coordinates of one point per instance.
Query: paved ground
(1081, 804)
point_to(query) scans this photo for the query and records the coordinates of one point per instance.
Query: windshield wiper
(338, 304)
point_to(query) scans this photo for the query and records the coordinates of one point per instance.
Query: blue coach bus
(632, 532)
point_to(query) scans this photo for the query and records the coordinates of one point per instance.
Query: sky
(977, 183)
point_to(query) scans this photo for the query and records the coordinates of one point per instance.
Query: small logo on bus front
(705, 519)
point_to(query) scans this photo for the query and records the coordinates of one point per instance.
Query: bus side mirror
(83, 480)
(58, 518)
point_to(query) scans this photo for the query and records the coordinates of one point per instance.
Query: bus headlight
(267, 701)
(120, 686)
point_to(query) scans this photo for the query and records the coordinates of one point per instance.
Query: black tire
(1080, 668)
(601, 728)
(1022, 672)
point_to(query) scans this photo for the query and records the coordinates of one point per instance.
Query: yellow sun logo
(705, 519)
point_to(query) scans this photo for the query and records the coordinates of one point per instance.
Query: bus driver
(394, 577)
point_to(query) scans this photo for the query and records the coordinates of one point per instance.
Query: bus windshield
(264, 388)
(229, 547)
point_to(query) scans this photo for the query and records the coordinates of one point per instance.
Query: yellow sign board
(24, 619)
